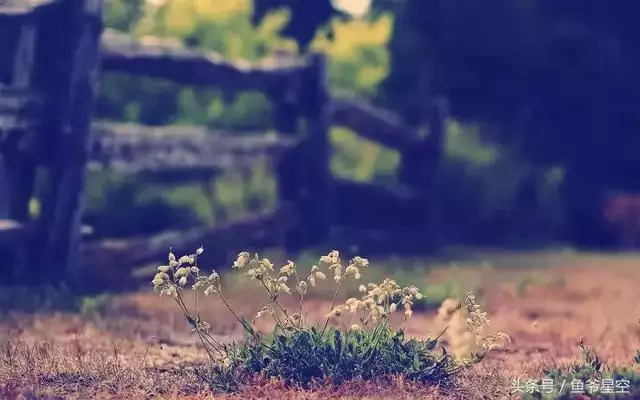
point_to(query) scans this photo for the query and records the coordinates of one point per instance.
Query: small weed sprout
(300, 353)
(591, 368)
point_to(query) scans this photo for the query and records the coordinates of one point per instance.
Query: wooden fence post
(316, 194)
(420, 170)
(286, 120)
(73, 29)
(305, 183)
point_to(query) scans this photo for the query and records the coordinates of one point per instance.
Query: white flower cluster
(379, 301)
(171, 278)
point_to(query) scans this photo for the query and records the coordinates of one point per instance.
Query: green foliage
(309, 18)
(435, 294)
(145, 207)
(95, 305)
(209, 27)
(123, 15)
(487, 192)
(505, 63)
(361, 160)
(536, 76)
(120, 206)
(304, 356)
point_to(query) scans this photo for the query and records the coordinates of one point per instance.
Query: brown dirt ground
(140, 346)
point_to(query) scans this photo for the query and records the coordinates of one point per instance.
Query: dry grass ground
(139, 345)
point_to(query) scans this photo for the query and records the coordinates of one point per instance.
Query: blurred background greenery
(500, 178)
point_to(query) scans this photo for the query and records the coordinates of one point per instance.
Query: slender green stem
(206, 348)
(295, 272)
(333, 304)
(195, 300)
(213, 344)
(248, 329)
(271, 301)
(216, 345)
(284, 311)
(274, 301)
(242, 322)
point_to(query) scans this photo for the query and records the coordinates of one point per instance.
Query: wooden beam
(10, 230)
(136, 148)
(373, 123)
(15, 9)
(169, 59)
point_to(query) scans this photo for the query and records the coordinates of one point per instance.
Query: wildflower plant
(468, 330)
(301, 353)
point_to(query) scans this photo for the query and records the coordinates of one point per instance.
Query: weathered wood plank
(108, 263)
(169, 59)
(136, 148)
(373, 123)
(10, 230)
(18, 8)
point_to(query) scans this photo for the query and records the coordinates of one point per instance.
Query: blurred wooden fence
(46, 96)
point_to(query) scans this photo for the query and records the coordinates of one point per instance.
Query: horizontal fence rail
(134, 148)
(373, 123)
(169, 59)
